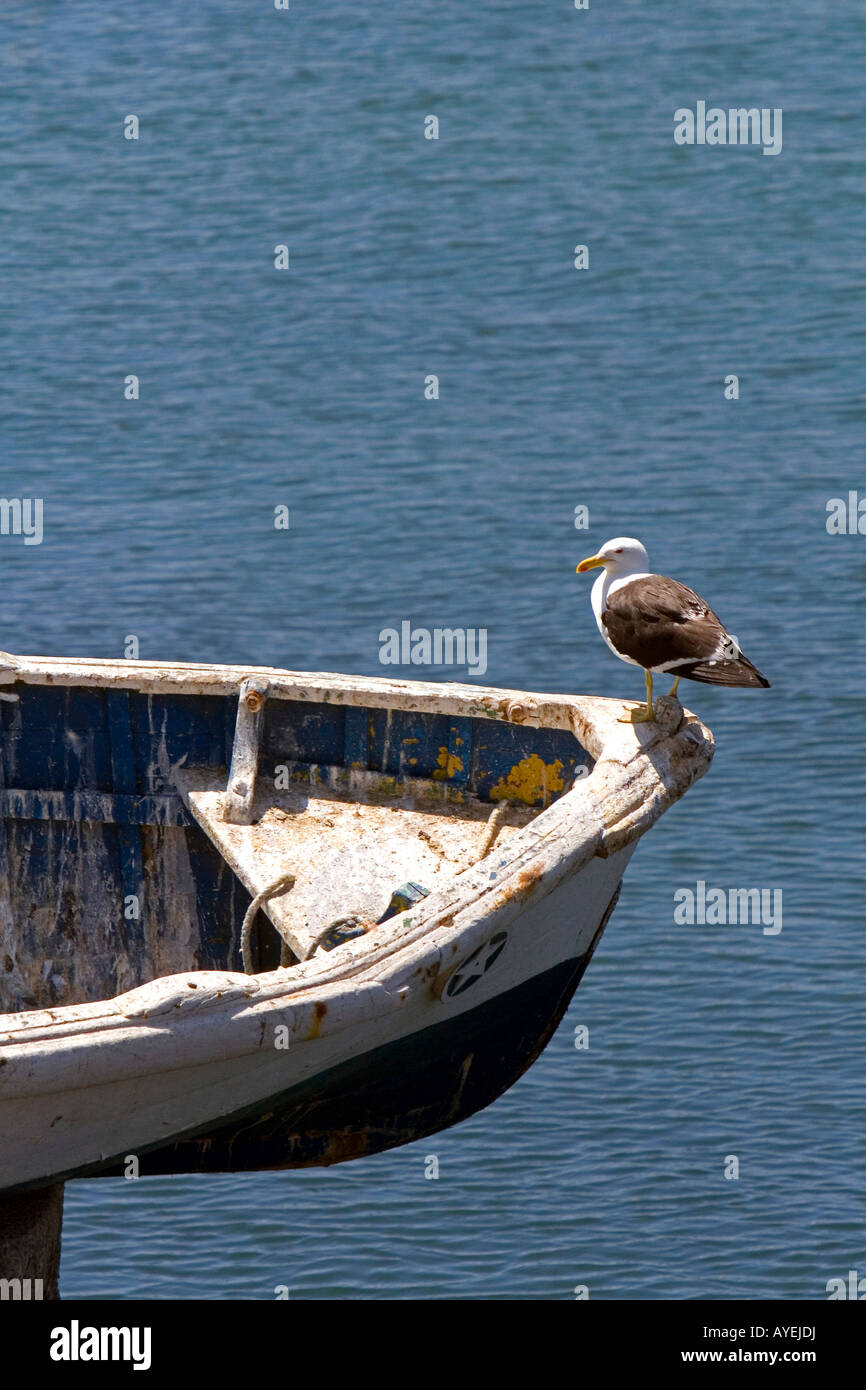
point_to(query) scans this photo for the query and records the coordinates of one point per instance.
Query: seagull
(659, 624)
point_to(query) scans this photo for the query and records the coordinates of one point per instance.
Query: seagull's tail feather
(728, 671)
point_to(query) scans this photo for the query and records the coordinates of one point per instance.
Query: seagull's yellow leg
(643, 714)
(673, 689)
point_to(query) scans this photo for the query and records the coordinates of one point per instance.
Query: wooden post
(30, 1226)
(245, 754)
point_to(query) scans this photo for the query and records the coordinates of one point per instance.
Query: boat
(260, 919)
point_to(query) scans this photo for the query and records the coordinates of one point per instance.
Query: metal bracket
(238, 808)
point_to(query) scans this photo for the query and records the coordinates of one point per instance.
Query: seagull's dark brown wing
(658, 621)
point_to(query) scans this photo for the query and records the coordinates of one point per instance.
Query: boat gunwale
(543, 710)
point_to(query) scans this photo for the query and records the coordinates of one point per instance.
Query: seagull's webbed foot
(642, 715)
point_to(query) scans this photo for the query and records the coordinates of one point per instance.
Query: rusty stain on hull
(320, 1008)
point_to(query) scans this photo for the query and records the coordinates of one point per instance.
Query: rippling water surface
(557, 388)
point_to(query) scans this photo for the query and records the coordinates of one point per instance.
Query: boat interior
(139, 827)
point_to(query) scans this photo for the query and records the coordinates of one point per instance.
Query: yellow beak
(592, 562)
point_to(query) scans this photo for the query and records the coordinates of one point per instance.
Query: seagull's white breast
(608, 584)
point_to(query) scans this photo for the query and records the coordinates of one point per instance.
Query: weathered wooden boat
(258, 919)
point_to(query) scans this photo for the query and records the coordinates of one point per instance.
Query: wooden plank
(9, 935)
(459, 767)
(587, 715)
(349, 838)
(356, 742)
(104, 807)
(128, 834)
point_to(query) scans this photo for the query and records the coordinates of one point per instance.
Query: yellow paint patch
(448, 764)
(530, 780)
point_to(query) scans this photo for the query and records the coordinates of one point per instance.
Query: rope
(273, 890)
(337, 922)
(494, 825)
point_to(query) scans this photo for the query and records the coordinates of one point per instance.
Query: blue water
(558, 388)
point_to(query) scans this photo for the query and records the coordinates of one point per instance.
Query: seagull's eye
(618, 550)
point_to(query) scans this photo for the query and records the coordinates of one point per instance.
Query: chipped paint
(522, 885)
(449, 764)
(530, 781)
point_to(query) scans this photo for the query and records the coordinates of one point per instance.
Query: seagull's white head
(622, 555)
